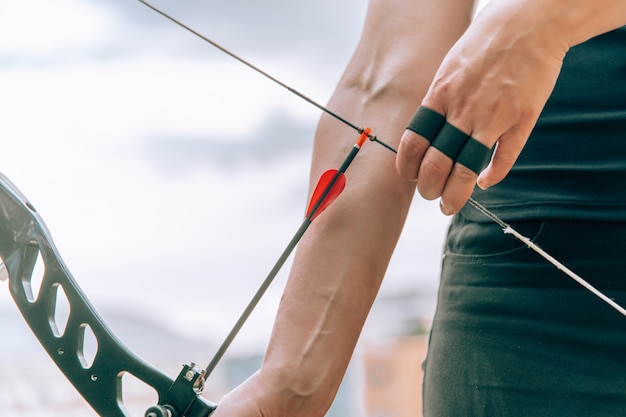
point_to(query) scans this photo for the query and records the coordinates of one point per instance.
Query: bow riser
(24, 239)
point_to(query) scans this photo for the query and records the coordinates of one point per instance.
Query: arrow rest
(183, 398)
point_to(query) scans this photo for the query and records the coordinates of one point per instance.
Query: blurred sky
(170, 175)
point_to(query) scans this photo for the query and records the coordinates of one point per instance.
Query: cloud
(284, 30)
(280, 137)
(36, 27)
(257, 22)
(120, 125)
(274, 29)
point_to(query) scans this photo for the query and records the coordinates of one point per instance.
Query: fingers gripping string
(450, 140)
(474, 155)
(426, 123)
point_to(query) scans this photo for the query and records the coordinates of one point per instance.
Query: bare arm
(341, 261)
(494, 83)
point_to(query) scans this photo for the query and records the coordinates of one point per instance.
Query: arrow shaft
(257, 297)
(285, 255)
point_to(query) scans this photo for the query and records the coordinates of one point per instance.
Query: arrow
(328, 188)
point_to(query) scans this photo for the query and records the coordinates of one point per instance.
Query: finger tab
(450, 141)
(475, 156)
(426, 123)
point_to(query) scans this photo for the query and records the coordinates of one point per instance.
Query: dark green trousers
(515, 337)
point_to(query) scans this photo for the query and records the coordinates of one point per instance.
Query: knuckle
(410, 153)
(504, 159)
(411, 145)
(432, 177)
(431, 169)
(464, 174)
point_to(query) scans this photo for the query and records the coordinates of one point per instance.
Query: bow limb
(23, 239)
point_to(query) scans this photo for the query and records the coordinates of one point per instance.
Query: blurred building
(394, 374)
(392, 352)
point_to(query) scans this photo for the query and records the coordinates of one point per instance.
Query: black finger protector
(426, 123)
(450, 141)
(474, 155)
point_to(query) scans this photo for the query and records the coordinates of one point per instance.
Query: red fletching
(321, 193)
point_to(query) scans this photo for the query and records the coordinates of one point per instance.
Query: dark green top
(574, 164)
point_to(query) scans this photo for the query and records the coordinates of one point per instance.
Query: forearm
(582, 20)
(342, 259)
(568, 21)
